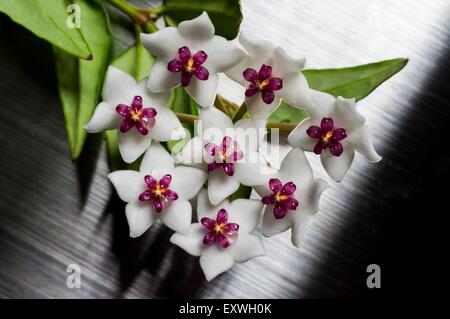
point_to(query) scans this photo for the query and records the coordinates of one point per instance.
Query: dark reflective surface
(54, 212)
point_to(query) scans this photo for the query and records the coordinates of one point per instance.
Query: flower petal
(204, 92)
(206, 209)
(246, 213)
(272, 226)
(192, 241)
(222, 54)
(192, 152)
(157, 159)
(295, 91)
(119, 87)
(139, 216)
(177, 215)
(335, 166)
(154, 100)
(347, 113)
(164, 43)
(132, 145)
(309, 195)
(215, 261)
(285, 64)
(246, 247)
(187, 181)
(299, 137)
(220, 186)
(360, 139)
(258, 109)
(324, 106)
(161, 79)
(300, 228)
(259, 52)
(250, 173)
(295, 167)
(104, 118)
(199, 28)
(167, 126)
(250, 133)
(214, 122)
(128, 184)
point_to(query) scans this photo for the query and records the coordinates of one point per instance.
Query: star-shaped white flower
(190, 55)
(229, 152)
(292, 197)
(222, 236)
(158, 190)
(269, 74)
(335, 130)
(139, 115)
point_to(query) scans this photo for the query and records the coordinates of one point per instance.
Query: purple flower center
(220, 230)
(143, 118)
(158, 192)
(281, 197)
(189, 65)
(327, 136)
(224, 155)
(263, 82)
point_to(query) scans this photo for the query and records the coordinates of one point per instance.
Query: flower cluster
(224, 155)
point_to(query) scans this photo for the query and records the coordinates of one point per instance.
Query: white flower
(269, 75)
(158, 190)
(191, 55)
(222, 236)
(292, 197)
(335, 130)
(139, 115)
(229, 151)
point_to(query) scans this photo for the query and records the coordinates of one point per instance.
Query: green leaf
(242, 192)
(354, 82)
(48, 20)
(286, 113)
(225, 14)
(80, 81)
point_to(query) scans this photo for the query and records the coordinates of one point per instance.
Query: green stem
(240, 113)
(139, 16)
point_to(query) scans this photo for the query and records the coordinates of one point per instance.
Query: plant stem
(240, 113)
(139, 16)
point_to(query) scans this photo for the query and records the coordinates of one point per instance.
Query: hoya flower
(291, 197)
(269, 74)
(228, 152)
(223, 235)
(140, 116)
(190, 55)
(158, 190)
(334, 130)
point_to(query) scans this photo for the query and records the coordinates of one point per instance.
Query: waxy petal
(139, 217)
(214, 262)
(199, 28)
(132, 144)
(164, 182)
(246, 213)
(161, 79)
(104, 118)
(222, 216)
(209, 223)
(220, 186)
(188, 181)
(119, 87)
(156, 159)
(299, 136)
(247, 247)
(128, 184)
(204, 92)
(177, 215)
(362, 143)
(150, 181)
(167, 126)
(192, 241)
(335, 166)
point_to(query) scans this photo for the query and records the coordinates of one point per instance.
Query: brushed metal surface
(54, 212)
